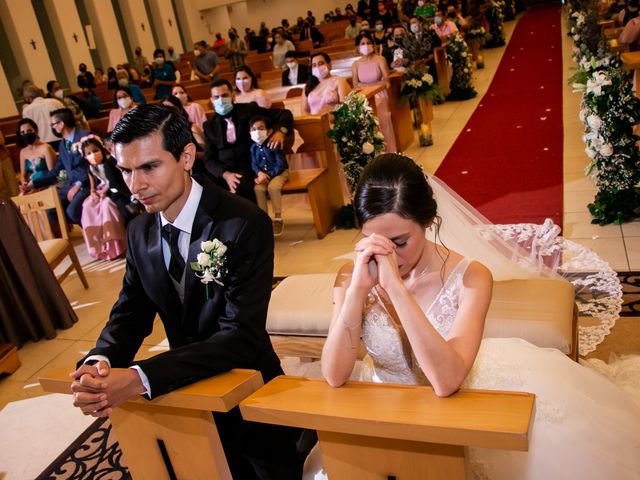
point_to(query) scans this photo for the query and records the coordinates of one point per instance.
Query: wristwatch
(284, 130)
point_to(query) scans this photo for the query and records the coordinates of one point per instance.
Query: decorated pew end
(174, 435)
(377, 432)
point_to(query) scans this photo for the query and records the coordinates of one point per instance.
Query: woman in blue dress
(36, 156)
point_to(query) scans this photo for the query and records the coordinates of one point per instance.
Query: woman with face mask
(124, 99)
(247, 90)
(371, 69)
(379, 33)
(36, 156)
(194, 110)
(323, 92)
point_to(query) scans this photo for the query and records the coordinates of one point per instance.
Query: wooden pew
(181, 421)
(99, 125)
(631, 62)
(9, 360)
(375, 431)
(442, 71)
(333, 30)
(400, 114)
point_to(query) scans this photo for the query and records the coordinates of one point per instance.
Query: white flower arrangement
(210, 264)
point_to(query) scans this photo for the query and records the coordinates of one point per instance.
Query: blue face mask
(223, 105)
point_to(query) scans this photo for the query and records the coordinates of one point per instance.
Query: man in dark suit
(227, 155)
(211, 328)
(295, 73)
(310, 32)
(76, 187)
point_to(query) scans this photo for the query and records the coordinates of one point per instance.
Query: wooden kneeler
(174, 432)
(376, 432)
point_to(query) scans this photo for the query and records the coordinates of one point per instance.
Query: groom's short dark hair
(146, 120)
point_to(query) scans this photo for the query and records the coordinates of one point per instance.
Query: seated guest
(281, 47)
(227, 139)
(75, 188)
(38, 110)
(163, 75)
(140, 61)
(353, 29)
(112, 79)
(134, 90)
(628, 12)
(105, 209)
(8, 181)
(172, 55)
(379, 35)
(124, 101)
(36, 156)
(425, 9)
(311, 32)
(206, 64)
(384, 15)
(337, 15)
(295, 73)
(219, 41)
(197, 135)
(54, 90)
(323, 92)
(85, 78)
(99, 76)
(444, 27)
(270, 169)
(247, 90)
(371, 69)
(194, 110)
(392, 50)
(630, 35)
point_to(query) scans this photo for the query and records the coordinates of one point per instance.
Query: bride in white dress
(419, 307)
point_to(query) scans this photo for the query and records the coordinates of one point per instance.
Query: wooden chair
(375, 431)
(174, 435)
(34, 210)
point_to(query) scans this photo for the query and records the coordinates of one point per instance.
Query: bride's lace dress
(585, 426)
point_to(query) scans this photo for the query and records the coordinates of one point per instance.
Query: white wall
(166, 25)
(273, 11)
(7, 105)
(104, 24)
(216, 20)
(74, 50)
(135, 15)
(191, 22)
(21, 26)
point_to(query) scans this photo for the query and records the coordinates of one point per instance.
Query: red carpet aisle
(507, 162)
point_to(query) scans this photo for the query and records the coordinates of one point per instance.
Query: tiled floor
(299, 251)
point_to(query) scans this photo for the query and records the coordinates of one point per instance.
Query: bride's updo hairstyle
(393, 183)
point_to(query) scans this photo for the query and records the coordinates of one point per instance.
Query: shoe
(278, 227)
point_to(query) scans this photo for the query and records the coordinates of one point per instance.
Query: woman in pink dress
(125, 102)
(323, 92)
(371, 69)
(247, 90)
(193, 109)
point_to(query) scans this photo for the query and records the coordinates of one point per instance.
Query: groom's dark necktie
(176, 264)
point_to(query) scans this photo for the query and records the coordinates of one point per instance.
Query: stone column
(106, 33)
(138, 27)
(191, 22)
(164, 20)
(70, 37)
(23, 32)
(7, 105)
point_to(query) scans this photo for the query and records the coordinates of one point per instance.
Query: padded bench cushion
(537, 310)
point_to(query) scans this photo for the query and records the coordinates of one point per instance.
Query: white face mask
(291, 65)
(258, 136)
(196, 53)
(415, 28)
(59, 94)
(320, 72)
(244, 85)
(124, 102)
(123, 82)
(421, 3)
(364, 27)
(366, 49)
(379, 28)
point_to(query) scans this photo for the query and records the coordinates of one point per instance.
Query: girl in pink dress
(323, 92)
(371, 69)
(193, 109)
(247, 90)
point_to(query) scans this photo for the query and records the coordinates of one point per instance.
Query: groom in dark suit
(209, 331)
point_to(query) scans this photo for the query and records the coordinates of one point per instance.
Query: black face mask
(83, 69)
(28, 138)
(56, 134)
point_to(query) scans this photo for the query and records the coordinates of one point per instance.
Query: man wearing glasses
(75, 187)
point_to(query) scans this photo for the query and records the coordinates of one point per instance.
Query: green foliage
(418, 83)
(461, 81)
(495, 18)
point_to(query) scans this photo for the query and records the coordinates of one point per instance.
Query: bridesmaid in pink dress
(371, 69)
(323, 92)
(195, 111)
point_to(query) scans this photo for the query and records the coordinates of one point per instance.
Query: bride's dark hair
(393, 183)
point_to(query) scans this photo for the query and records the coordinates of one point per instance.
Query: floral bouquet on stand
(461, 80)
(420, 89)
(357, 135)
(610, 111)
(495, 18)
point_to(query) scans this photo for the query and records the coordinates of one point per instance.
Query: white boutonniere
(211, 263)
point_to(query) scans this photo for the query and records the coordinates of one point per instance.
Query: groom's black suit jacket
(206, 336)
